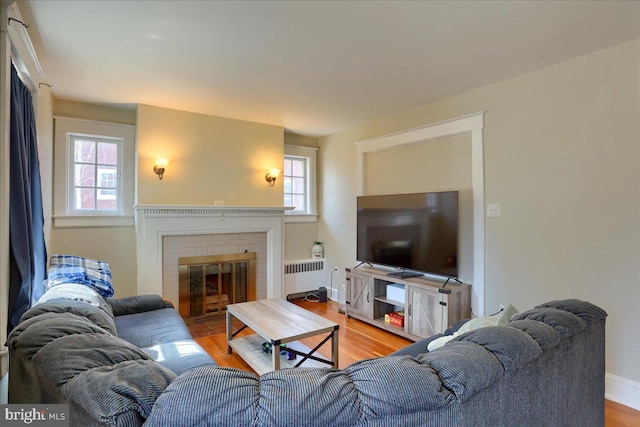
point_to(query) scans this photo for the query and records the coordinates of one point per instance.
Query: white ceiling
(314, 67)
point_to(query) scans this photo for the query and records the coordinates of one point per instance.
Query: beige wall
(562, 156)
(442, 164)
(115, 245)
(436, 165)
(299, 238)
(211, 159)
(123, 114)
(295, 139)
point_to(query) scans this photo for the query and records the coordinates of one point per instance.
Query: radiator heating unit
(304, 275)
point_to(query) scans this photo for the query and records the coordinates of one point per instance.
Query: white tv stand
(429, 307)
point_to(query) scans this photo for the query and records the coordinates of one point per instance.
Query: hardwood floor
(617, 415)
(358, 340)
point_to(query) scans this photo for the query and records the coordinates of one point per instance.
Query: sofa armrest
(138, 304)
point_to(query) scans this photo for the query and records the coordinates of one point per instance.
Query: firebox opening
(207, 284)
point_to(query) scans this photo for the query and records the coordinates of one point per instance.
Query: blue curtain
(28, 254)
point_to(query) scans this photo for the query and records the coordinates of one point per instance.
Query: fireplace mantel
(153, 222)
(215, 211)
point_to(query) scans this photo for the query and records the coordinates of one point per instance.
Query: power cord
(450, 278)
(335, 270)
(312, 297)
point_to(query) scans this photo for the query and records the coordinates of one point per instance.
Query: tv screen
(416, 232)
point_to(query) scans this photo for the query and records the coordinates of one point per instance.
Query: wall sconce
(271, 176)
(159, 167)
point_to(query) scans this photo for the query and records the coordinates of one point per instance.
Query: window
(96, 167)
(93, 173)
(300, 183)
(295, 184)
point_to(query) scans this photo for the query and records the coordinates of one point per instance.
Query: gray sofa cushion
(414, 385)
(179, 356)
(137, 304)
(464, 368)
(122, 394)
(45, 328)
(511, 346)
(366, 390)
(152, 327)
(543, 334)
(587, 312)
(94, 314)
(71, 355)
(233, 392)
(320, 394)
(163, 335)
(566, 324)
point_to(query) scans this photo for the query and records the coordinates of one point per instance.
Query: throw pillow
(84, 271)
(500, 318)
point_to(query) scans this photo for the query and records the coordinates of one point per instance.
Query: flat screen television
(414, 233)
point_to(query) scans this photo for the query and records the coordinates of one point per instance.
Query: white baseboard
(622, 390)
(333, 294)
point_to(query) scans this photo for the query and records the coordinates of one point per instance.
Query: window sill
(294, 218)
(92, 221)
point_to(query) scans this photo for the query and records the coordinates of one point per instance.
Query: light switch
(494, 210)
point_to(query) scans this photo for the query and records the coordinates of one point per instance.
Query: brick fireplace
(175, 249)
(166, 233)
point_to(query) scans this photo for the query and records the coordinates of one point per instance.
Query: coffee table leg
(334, 346)
(275, 353)
(229, 333)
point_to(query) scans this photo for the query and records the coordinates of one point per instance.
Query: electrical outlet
(494, 210)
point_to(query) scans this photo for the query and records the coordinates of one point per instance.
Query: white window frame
(65, 216)
(71, 139)
(310, 154)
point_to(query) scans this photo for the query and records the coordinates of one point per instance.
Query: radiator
(304, 275)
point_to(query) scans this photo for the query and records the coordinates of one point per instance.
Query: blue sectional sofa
(544, 368)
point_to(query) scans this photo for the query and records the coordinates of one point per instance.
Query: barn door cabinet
(360, 296)
(429, 307)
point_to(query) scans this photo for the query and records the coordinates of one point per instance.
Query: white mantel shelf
(153, 222)
(209, 210)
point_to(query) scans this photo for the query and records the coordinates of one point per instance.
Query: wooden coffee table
(277, 321)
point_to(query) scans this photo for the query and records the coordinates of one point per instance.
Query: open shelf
(386, 300)
(250, 349)
(379, 321)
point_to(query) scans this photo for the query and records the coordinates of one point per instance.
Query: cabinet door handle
(409, 309)
(367, 296)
